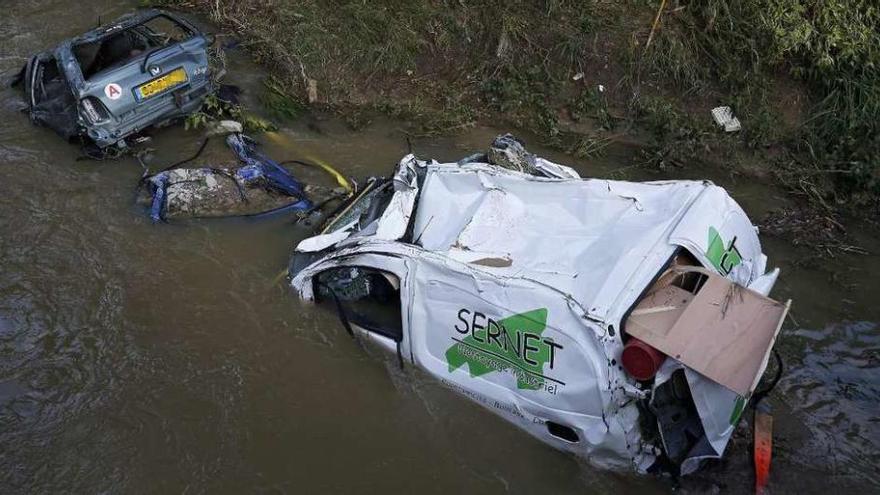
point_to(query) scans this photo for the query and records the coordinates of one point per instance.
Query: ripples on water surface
(144, 358)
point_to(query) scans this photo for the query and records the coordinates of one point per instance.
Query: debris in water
(224, 127)
(256, 186)
(811, 227)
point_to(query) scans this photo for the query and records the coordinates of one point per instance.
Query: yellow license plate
(160, 84)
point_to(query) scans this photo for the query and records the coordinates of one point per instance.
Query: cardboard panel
(725, 332)
(658, 311)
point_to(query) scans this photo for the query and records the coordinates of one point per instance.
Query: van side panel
(521, 351)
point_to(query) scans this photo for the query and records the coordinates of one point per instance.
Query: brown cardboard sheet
(724, 331)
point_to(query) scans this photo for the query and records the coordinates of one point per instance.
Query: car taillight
(93, 110)
(641, 360)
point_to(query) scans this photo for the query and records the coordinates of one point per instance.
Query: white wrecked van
(524, 292)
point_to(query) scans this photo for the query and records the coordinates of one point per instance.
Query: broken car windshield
(365, 208)
(122, 47)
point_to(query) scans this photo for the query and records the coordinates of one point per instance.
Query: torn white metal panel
(556, 231)
(718, 233)
(764, 284)
(324, 241)
(718, 406)
(395, 220)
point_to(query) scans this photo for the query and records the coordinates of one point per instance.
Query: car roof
(124, 22)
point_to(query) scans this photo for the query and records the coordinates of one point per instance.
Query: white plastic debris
(724, 117)
(313, 91)
(224, 127)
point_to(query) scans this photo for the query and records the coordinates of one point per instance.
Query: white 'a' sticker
(113, 91)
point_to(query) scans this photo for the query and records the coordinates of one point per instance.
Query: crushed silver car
(626, 322)
(142, 70)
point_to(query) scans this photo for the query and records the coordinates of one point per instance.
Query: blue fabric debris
(257, 169)
(259, 165)
(158, 184)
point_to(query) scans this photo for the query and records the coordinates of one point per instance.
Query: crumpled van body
(517, 290)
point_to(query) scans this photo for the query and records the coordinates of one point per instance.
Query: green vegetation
(214, 109)
(773, 58)
(801, 75)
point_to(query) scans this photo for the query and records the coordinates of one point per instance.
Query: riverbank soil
(802, 77)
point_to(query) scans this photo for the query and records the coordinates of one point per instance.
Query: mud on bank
(802, 78)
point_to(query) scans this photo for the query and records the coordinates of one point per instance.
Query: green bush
(833, 46)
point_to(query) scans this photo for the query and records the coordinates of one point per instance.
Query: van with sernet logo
(626, 322)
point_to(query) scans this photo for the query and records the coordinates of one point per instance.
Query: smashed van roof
(583, 237)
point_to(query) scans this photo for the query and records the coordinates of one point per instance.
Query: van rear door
(717, 232)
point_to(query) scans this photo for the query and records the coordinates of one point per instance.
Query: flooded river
(142, 358)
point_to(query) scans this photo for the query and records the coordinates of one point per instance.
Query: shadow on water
(136, 357)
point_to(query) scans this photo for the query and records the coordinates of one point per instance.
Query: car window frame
(190, 30)
(345, 313)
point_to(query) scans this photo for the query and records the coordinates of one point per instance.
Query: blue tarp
(257, 169)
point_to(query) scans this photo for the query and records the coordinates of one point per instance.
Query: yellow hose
(278, 278)
(340, 179)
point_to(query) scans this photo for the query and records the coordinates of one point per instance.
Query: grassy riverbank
(803, 76)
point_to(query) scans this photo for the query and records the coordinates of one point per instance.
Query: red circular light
(641, 360)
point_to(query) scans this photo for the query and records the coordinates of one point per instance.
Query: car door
(50, 100)
(368, 297)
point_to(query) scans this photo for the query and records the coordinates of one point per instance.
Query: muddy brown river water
(142, 358)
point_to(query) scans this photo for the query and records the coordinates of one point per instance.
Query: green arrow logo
(722, 258)
(514, 344)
